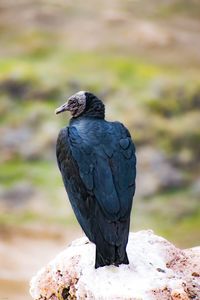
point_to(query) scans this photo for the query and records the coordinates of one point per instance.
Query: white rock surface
(157, 270)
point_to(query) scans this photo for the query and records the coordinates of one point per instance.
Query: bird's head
(83, 103)
(75, 105)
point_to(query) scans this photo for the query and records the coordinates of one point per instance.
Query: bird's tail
(110, 238)
(110, 255)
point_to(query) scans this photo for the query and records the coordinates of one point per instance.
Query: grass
(180, 7)
(40, 173)
(90, 69)
(174, 214)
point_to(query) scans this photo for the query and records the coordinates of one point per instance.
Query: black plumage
(98, 165)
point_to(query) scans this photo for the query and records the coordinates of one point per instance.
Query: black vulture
(98, 165)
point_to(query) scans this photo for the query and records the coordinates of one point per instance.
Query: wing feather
(106, 162)
(77, 192)
(97, 162)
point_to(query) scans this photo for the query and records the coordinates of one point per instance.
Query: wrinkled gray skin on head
(77, 103)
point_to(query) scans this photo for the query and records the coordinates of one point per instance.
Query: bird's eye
(71, 102)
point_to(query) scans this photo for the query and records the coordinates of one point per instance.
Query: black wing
(76, 190)
(105, 156)
(97, 163)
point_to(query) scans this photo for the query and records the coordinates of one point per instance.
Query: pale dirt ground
(32, 250)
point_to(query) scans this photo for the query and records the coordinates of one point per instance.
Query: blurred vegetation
(150, 81)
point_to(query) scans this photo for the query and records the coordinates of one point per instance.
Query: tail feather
(110, 238)
(111, 257)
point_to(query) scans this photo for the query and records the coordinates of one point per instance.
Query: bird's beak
(62, 108)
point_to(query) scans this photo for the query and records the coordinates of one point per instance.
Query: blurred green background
(143, 59)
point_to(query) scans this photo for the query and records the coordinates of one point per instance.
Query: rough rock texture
(157, 270)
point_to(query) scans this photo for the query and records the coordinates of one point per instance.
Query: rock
(16, 196)
(115, 17)
(151, 34)
(179, 294)
(196, 188)
(157, 270)
(156, 171)
(14, 88)
(29, 141)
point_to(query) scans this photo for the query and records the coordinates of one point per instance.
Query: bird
(97, 161)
